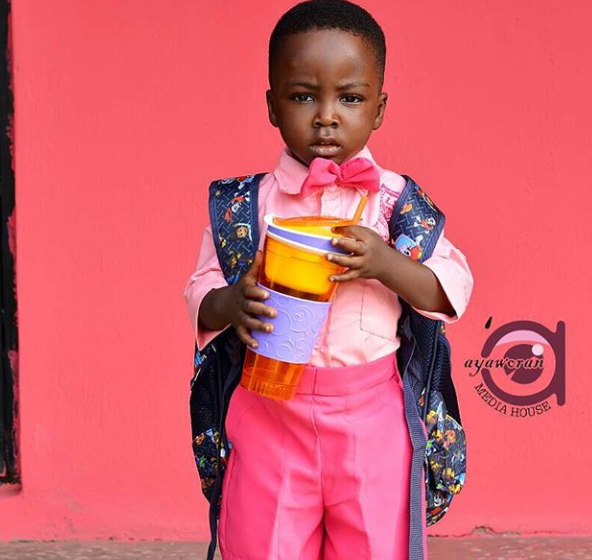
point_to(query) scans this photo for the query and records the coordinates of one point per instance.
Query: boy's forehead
(330, 52)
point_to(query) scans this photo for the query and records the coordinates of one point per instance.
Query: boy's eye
(352, 99)
(302, 97)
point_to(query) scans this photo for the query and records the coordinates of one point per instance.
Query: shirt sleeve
(451, 268)
(207, 276)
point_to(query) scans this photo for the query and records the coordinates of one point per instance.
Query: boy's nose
(326, 116)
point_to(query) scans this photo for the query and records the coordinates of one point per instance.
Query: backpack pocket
(445, 457)
(205, 452)
(205, 419)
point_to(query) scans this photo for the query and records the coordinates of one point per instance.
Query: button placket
(330, 204)
(330, 201)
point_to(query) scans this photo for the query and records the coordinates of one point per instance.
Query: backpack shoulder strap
(416, 222)
(234, 217)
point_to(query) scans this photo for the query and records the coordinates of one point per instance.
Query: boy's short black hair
(329, 14)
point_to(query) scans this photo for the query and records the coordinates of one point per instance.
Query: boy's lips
(325, 148)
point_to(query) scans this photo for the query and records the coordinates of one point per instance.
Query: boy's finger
(252, 291)
(349, 244)
(349, 275)
(254, 324)
(255, 308)
(346, 261)
(244, 335)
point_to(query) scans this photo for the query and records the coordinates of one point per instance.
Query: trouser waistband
(344, 380)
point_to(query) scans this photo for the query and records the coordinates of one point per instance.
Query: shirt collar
(291, 173)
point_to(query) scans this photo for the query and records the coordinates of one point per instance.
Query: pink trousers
(322, 476)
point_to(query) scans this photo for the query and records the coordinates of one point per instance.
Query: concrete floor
(487, 547)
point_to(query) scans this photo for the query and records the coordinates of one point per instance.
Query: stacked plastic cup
(295, 271)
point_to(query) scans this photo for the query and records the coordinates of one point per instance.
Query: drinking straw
(360, 209)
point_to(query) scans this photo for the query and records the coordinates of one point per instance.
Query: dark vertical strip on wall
(9, 467)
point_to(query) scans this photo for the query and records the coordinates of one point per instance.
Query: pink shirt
(362, 322)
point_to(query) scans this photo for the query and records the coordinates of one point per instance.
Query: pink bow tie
(358, 172)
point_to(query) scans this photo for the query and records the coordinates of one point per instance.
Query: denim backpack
(439, 444)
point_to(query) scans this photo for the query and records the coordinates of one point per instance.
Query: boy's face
(325, 94)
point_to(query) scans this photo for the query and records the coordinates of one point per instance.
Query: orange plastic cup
(296, 270)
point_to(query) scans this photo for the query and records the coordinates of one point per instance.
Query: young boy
(326, 474)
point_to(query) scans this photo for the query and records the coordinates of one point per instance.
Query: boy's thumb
(256, 264)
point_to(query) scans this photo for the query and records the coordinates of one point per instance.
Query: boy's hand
(243, 304)
(416, 283)
(369, 253)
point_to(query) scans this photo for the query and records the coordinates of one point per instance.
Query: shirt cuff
(203, 335)
(195, 292)
(457, 283)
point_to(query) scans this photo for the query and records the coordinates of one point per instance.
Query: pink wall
(124, 113)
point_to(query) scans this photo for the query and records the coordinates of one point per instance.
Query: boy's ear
(381, 107)
(270, 111)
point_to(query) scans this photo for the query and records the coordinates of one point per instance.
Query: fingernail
(334, 241)
(268, 328)
(255, 345)
(332, 278)
(266, 295)
(329, 257)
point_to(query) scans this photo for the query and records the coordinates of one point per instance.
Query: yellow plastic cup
(316, 225)
(300, 271)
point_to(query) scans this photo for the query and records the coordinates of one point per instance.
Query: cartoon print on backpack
(409, 247)
(449, 438)
(241, 231)
(427, 224)
(234, 207)
(237, 259)
(234, 230)
(239, 199)
(205, 451)
(241, 181)
(445, 456)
